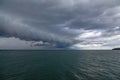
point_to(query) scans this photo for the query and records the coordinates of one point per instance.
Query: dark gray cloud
(61, 23)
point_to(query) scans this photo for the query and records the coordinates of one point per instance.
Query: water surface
(59, 65)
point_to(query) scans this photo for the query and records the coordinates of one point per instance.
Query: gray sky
(59, 24)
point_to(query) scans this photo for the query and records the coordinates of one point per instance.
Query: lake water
(60, 65)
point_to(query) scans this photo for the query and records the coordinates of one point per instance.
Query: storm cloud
(68, 24)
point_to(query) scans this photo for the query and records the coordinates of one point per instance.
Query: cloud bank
(66, 24)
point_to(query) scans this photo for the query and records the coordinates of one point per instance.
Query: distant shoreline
(116, 49)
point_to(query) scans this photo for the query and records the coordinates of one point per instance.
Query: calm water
(59, 65)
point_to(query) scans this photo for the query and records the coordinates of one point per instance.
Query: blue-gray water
(60, 65)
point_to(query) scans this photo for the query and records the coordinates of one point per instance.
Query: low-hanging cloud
(61, 23)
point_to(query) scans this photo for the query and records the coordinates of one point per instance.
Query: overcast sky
(59, 24)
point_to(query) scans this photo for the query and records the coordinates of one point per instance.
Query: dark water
(59, 65)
